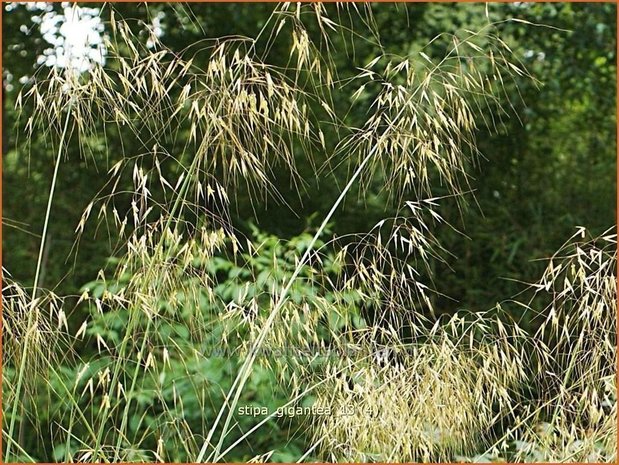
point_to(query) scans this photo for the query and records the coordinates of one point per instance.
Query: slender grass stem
(246, 367)
(32, 310)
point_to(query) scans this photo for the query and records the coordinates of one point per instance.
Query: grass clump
(427, 400)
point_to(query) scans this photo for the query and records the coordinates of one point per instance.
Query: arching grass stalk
(37, 274)
(10, 440)
(290, 402)
(245, 371)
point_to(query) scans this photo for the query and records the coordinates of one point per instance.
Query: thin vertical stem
(22, 366)
(243, 375)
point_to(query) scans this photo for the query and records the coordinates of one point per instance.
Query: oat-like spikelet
(422, 122)
(577, 378)
(36, 330)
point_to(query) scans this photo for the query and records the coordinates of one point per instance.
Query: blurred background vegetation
(548, 168)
